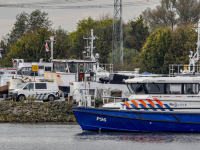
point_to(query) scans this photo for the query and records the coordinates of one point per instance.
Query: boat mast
(195, 58)
(91, 47)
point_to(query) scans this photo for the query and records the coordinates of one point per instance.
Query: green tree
(77, 43)
(165, 47)
(188, 12)
(137, 35)
(183, 41)
(61, 47)
(163, 15)
(31, 47)
(104, 30)
(32, 26)
(37, 20)
(19, 29)
(153, 52)
(172, 13)
(27, 23)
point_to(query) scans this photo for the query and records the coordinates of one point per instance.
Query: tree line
(27, 38)
(157, 38)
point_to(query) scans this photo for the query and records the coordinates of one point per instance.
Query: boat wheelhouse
(69, 71)
(162, 94)
(164, 86)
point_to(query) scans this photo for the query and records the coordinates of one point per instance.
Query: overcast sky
(67, 18)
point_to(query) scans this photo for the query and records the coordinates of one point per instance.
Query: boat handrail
(106, 99)
(182, 69)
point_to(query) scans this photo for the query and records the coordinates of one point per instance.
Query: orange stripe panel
(134, 102)
(126, 103)
(159, 102)
(143, 103)
(150, 102)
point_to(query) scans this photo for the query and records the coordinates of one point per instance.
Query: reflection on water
(61, 136)
(140, 137)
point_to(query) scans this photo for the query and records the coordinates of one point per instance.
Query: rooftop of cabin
(73, 61)
(164, 80)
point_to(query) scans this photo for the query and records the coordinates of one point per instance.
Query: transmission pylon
(117, 33)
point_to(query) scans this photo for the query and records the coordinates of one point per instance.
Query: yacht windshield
(59, 66)
(136, 88)
(139, 88)
(130, 88)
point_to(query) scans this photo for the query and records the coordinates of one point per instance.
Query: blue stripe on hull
(126, 120)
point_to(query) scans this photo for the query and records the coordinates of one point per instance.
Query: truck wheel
(20, 97)
(51, 98)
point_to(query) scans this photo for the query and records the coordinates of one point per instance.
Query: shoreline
(36, 112)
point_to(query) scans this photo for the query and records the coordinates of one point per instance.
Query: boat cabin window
(191, 88)
(59, 66)
(41, 67)
(138, 88)
(88, 67)
(173, 88)
(163, 88)
(155, 88)
(130, 88)
(47, 68)
(81, 68)
(72, 67)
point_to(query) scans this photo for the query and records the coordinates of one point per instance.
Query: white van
(38, 90)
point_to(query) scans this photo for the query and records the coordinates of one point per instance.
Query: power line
(51, 2)
(55, 4)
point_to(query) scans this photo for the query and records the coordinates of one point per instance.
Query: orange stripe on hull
(143, 103)
(126, 103)
(150, 102)
(135, 103)
(159, 102)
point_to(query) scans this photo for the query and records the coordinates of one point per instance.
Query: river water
(61, 136)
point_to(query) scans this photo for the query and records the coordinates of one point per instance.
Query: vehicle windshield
(22, 85)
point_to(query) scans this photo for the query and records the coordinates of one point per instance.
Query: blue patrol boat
(138, 121)
(156, 104)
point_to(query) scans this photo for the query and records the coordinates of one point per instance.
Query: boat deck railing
(183, 69)
(110, 99)
(107, 67)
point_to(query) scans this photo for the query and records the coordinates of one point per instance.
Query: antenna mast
(117, 33)
(91, 47)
